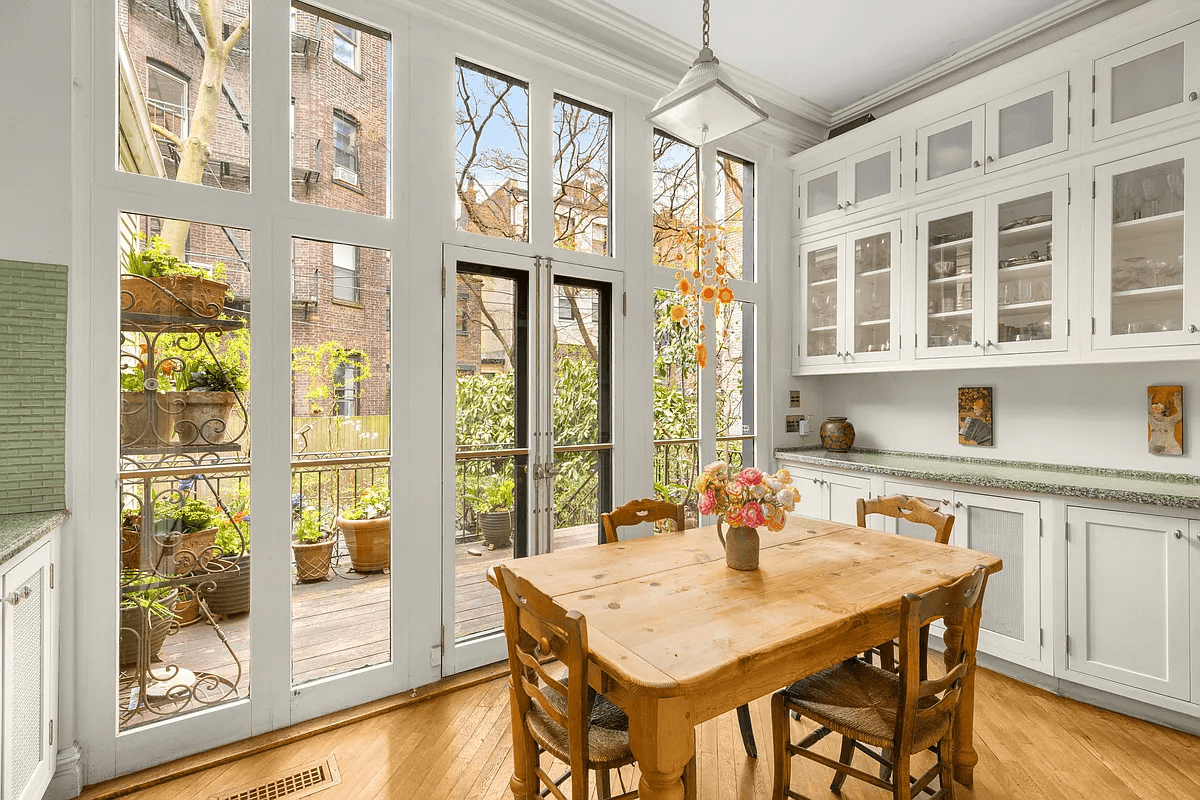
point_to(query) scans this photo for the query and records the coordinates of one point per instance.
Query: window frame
(339, 32)
(352, 152)
(351, 393)
(169, 72)
(606, 220)
(355, 273)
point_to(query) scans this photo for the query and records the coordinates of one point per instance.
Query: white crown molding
(645, 61)
(1036, 26)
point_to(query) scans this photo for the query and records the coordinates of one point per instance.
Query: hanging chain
(706, 23)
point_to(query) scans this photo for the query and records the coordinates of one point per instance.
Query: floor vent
(293, 784)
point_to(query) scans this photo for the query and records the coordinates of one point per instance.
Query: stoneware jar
(837, 435)
(741, 546)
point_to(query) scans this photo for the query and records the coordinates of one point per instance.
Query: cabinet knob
(958, 505)
(1192, 329)
(945, 502)
(977, 344)
(976, 164)
(990, 343)
(989, 160)
(1178, 534)
(1193, 97)
(840, 206)
(848, 204)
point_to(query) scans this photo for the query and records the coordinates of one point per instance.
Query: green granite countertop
(1151, 488)
(18, 531)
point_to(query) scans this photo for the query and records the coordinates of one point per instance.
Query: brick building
(339, 159)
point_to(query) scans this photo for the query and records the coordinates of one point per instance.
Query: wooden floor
(1032, 746)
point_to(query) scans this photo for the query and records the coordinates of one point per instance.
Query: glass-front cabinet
(1151, 82)
(850, 297)
(950, 151)
(1025, 280)
(867, 179)
(1027, 124)
(949, 280)
(1147, 257)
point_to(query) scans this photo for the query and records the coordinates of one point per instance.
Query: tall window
(346, 386)
(167, 98)
(676, 197)
(345, 148)
(734, 367)
(491, 174)
(345, 273)
(582, 158)
(345, 46)
(734, 199)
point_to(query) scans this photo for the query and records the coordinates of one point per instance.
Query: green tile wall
(33, 386)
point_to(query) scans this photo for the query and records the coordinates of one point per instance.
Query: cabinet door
(1127, 599)
(1147, 253)
(949, 285)
(844, 492)
(1195, 595)
(1027, 124)
(821, 193)
(27, 678)
(1148, 83)
(1007, 528)
(872, 294)
(950, 150)
(821, 266)
(931, 495)
(1026, 269)
(812, 502)
(873, 177)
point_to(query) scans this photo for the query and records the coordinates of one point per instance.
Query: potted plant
(147, 612)
(231, 571)
(494, 507)
(192, 528)
(158, 282)
(367, 528)
(131, 538)
(207, 388)
(146, 417)
(313, 547)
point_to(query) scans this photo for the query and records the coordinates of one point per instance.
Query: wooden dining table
(676, 637)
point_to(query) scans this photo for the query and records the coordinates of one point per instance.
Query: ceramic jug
(741, 546)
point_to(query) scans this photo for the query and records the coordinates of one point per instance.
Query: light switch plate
(795, 398)
(797, 423)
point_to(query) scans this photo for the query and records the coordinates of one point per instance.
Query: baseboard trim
(68, 774)
(127, 784)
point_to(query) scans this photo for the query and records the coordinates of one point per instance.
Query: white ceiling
(837, 51)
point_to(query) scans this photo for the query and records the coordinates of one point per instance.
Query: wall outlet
(797, 423)
(795, 398)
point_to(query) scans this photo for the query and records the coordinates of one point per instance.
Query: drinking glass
(1122, 211)
(1152, 189)
(1175, 184)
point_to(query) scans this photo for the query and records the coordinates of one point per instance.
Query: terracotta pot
(194, 297)
(232, 579)
(134, 619)
(131, 549)
(198, 544)
(201, 418)
(496, 527)
(837, 435)
(312, 559)
(187, 609)
(369, 542)
(741, 546)
(145, 424)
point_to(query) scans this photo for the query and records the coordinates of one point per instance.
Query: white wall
(35, 132)
(1088, 415)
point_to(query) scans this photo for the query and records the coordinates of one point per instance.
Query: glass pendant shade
(706, 105)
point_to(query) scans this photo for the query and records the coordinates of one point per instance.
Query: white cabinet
(992, 274)
(1127, 599)
(27, 753)
(1008, 528)
(1195, 593)
(938, 498)
(867, 179)
(849, 304)
(950, 150)
(1151, 82)
(1147, 266)
(829, 495)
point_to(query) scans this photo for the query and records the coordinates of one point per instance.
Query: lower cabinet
(938, 499)
(829, 495)
(1010, 529)
(1128, 610)
(27, 753)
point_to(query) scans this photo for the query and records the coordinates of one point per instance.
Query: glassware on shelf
(1175, 186)
(1152, 189)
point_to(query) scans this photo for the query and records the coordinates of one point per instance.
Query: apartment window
(345, 148)
(346, 386)
(167, 98)
(600, 237)
(345, 46)
(345, 273)
(564, 309)
(292, 131)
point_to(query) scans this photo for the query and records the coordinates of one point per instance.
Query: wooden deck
(344, 623)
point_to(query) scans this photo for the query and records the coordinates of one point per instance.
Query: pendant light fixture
(706, 105)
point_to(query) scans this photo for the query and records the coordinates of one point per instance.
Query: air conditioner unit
(345, 175)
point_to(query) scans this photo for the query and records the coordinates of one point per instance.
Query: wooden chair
(648, 509)
(635, 512)
(903, 712)
(565, 717)
(912, 509)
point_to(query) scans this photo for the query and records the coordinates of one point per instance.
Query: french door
(528, 416)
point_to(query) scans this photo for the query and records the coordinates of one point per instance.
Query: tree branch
(166, 134)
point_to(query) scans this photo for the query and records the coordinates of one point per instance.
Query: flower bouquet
(745, 501)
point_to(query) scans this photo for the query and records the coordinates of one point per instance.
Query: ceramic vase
(837, 435)
(741, 546)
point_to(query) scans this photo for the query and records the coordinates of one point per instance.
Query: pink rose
(752, 515)
(708, 502)
(750, 477)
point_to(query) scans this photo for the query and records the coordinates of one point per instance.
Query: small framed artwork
(975, 416)
(1165, 420)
